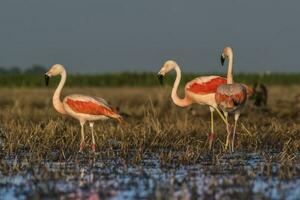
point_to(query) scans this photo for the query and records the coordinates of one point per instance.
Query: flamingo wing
(206, 84)
(90, 105)
(231, 96)
(102, 101)
(230, 100)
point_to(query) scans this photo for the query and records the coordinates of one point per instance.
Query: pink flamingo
(81, 107)
(201, 90)
(231, 97)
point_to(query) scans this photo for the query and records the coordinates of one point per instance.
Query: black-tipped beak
(160, 78)
(222, 60)
(47, 79)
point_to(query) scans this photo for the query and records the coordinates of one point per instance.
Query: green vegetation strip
(136, 79)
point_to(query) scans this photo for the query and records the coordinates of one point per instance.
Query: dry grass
(31, 128)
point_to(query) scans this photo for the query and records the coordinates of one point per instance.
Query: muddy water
(237, 176)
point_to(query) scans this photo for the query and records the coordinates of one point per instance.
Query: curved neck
(58, 105)
(177, 100)
(230, 69)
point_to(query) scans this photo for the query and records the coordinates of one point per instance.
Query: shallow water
(237, 176)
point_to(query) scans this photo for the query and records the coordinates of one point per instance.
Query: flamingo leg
(82, 137)
(236, 117)
(222, 117)
(93, 138)
(228, 130)
(211, 136)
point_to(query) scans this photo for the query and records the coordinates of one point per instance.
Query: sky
(98, 36)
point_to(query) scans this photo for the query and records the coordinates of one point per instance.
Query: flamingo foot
(211, 138)
(94, 148)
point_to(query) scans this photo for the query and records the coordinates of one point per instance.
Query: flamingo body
(81, 107)
(85, 108)
(231, 97)
(202, 90)
(205, 84)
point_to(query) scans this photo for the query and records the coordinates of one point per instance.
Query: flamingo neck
(177, 100)
(230, 69)
(58, 105)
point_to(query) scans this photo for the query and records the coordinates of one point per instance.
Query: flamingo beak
(222, 59)
(47, 78)
(160, 78)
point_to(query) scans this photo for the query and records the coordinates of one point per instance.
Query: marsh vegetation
(161, 151)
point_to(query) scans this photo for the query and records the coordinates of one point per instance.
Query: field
(159, 152)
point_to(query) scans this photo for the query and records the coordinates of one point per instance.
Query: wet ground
(236, 176)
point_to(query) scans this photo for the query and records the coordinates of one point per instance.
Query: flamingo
(200, 90)
(231, 97)
(81, 107)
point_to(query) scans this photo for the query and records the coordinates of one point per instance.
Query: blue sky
(97, 36)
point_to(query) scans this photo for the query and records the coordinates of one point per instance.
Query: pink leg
(94, 147)
(82, 137)
(228, 131)
(229, 138)
(93, 138)
(211, 136)
(236, 117)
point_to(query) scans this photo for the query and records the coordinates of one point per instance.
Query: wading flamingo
(201, 90)
(231, 97)
(81, 107)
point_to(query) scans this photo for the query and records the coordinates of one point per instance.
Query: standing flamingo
(81, 107)
(231, 97)
(201, 90)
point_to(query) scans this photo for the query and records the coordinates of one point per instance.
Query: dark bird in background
(260, 94)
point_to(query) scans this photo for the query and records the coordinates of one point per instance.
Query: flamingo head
(226, 53)
(167, 67)
(55, 70)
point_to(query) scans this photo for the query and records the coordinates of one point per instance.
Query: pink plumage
(81, 107)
